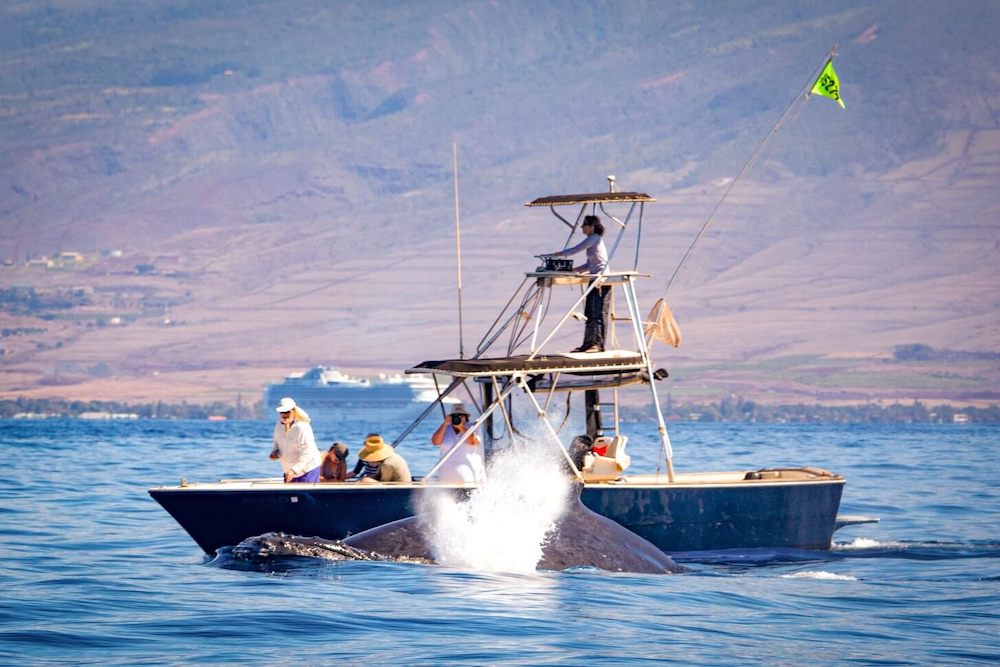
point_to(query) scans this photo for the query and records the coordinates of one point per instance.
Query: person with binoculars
(465, 464)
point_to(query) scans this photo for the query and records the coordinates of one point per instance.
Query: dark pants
(596, 310)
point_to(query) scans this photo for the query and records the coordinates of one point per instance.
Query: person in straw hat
(294, 444)
(465, 464)
(381, 462)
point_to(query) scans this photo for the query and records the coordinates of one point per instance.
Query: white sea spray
(821, 575)
(503, 524)
(861, 543)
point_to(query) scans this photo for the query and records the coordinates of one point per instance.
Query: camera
(456, 419)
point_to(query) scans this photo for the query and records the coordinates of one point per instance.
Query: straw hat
(376, 449)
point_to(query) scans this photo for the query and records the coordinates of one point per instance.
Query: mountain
(256, 187)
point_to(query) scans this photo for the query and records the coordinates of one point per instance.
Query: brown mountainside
(277, 179)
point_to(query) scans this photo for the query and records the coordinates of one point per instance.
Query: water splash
(820, 575)
(865, 543)
(869, 548)
(503, 524)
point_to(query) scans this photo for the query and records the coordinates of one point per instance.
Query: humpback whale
(580, 538)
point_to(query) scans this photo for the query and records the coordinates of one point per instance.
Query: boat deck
(697, 511)
(740, 477)
(727, 478)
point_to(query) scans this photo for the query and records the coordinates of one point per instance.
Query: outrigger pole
(799, 97)
(664, 437)
(458, 248)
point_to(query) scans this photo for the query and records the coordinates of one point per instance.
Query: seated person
(381, 462)
(334, 466)
(362, 469)
(581, 446)
(603, 458)
(600, 449)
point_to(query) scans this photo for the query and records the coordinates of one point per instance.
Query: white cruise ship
(323, 389)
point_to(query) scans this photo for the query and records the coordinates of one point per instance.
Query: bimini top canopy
(612, 361)
(595, 198)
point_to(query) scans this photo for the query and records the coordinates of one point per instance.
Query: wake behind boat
(526, 390)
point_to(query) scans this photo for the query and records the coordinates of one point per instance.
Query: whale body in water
(580, 538)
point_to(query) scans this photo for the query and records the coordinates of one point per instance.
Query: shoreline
(730, 410)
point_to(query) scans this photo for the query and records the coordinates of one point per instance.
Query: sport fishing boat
(521, 383)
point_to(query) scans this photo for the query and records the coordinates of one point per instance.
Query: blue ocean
(95, 572)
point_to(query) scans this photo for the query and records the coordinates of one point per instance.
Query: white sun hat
(286, 405)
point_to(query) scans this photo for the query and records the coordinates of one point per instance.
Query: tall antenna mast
(458, 248)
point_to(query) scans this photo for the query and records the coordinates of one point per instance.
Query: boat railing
(546, 280)
(524, 316)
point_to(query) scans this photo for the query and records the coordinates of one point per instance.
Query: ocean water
(96, 573)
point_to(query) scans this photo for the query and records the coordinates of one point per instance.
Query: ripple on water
(96, 573)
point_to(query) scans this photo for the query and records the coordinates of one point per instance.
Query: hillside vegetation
(282, 174)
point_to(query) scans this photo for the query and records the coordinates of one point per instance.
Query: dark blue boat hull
(674, 518)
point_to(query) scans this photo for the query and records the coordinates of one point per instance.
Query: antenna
(458, 248)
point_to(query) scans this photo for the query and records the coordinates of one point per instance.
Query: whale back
(581, 538)
(403, 538)
(584, 538)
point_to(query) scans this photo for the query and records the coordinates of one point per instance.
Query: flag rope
(753, 156)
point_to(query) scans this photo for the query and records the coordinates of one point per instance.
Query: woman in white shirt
(295, 445)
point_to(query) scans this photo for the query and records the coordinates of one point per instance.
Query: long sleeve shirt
(597, 253)
(296, 448)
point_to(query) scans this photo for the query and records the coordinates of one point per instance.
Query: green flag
(828, 85)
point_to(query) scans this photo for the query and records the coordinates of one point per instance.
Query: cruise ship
(323, 389)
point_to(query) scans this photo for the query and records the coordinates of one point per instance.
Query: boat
(327, 390)
(521, 380)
